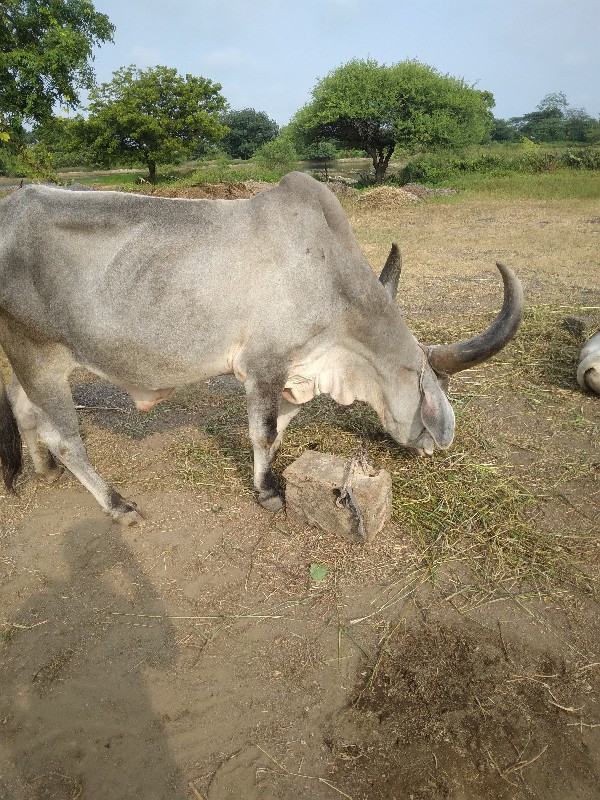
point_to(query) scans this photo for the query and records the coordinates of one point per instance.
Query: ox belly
(145, 399)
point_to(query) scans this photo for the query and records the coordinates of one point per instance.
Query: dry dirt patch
(195, 656)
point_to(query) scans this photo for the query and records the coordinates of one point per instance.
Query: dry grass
(550, 243)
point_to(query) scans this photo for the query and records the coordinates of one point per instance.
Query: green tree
(248, 130)
(377, 108)
(579, 126)
(545, 125)
(154, 116)
(547, 122)
(323, 153)
(62, 138)
(45, 54)
(554, 121)
(503, 131)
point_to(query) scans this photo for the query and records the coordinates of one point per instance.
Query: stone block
(341, 496)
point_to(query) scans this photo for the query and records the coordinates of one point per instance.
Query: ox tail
(11, 450)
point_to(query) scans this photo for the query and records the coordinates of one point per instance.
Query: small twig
(197, 794)
(503, 643)
(289, 774)
(251, 564)
(103, 408)
(28, 627)
(481, 708)
(520, 765)
(554, 700)
(581, 724)
(589, 666)
(570, 709)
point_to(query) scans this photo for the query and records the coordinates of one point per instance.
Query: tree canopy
(45, 54)
(554, 121)
(153, 116)
(374, 107)
(248, 130)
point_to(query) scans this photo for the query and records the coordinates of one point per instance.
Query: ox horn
(452, 358)
(390, 274)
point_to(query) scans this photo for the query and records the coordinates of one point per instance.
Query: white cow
(588, 371)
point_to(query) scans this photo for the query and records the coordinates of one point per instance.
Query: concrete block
(341, 496)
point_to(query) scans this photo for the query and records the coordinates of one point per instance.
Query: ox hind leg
(268, 417)
(44, 462)
(46, 398)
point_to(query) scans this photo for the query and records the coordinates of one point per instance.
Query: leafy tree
(153, 116)
(545, 125)
(248, 130)
(62, 138)
(377, 108)
(322, 153)
(503, 131)
(554, 121)
(45, 53)
(592, 132)
(579, 126)
(553, 102)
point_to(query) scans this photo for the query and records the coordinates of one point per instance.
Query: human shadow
(75, 699)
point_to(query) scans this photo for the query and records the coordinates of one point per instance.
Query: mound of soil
(212, 191)
(387, 197)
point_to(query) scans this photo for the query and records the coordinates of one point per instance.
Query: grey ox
(153, 294)
(588, 371)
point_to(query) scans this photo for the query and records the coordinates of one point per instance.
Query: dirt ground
(196, 657)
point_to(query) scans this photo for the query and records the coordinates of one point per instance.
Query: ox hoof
(53, 474)
(270, 501)
(124, 513)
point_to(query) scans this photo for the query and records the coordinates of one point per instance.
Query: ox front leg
(266, 422)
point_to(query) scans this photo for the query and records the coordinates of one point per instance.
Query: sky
(269, 54)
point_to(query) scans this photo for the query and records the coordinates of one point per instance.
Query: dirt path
(194, 657)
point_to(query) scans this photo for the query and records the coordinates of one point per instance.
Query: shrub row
(439, 167)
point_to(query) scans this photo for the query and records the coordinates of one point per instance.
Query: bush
(582, 158)
(278, 156)
(439, 167)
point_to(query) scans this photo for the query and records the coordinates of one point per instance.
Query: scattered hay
(387, 197)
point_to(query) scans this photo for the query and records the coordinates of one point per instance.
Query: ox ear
(390, 274)
(436, 412)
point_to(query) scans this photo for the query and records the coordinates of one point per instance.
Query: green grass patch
(563, 184)
(529, 171)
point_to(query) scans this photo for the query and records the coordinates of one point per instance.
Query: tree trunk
(381, 158)
(151, 170)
